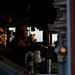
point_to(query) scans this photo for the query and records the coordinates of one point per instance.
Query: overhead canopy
(32, 12)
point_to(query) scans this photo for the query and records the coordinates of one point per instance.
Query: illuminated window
(38, 34)
(54, 37)
(12, 28)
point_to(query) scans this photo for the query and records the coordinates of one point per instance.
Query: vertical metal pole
(49, 66)
(60, 65)
(68, 39)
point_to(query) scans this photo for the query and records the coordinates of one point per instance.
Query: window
(12, 28)
(54, 37)
(38, 34)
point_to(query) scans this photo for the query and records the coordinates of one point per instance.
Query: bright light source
(12, 28)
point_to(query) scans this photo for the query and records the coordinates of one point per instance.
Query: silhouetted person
(20, 45)
(2, 40)
(33, 44)
(50, 54)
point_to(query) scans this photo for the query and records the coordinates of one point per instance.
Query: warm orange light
(63, 50)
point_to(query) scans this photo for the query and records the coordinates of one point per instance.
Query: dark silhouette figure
(33, 45)
(20, 45)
